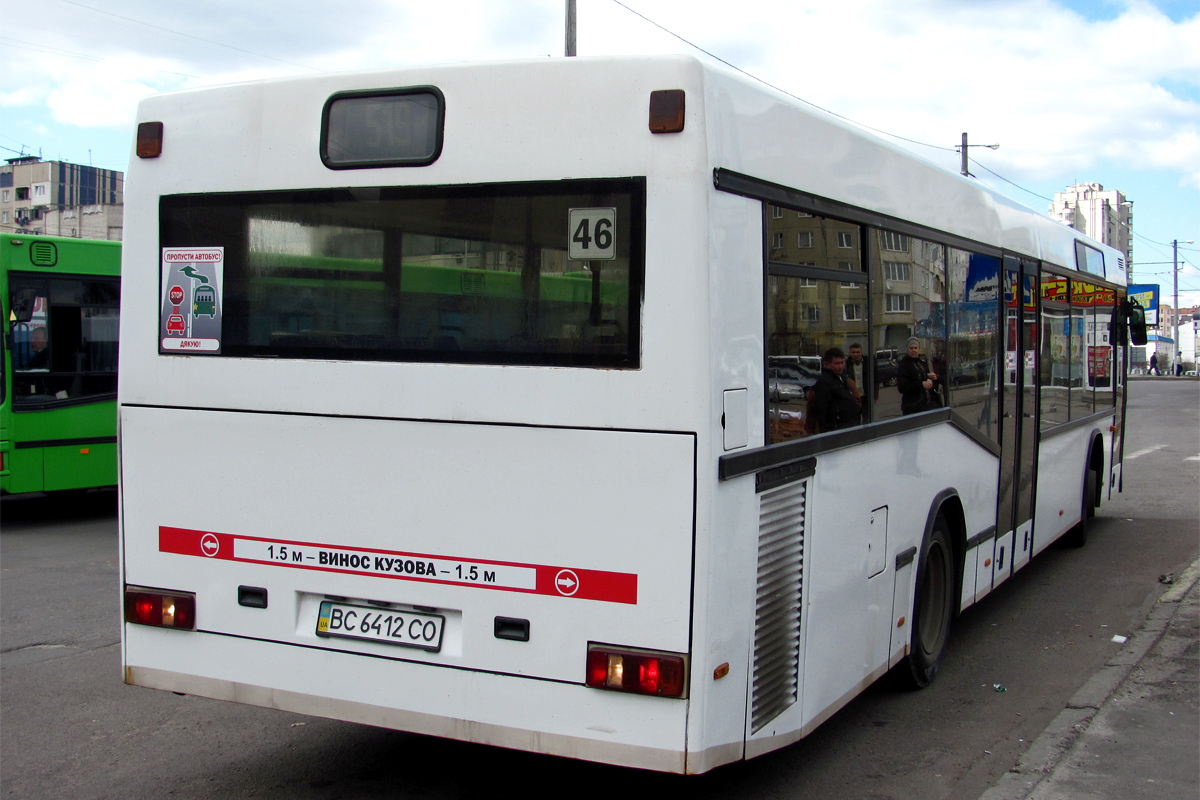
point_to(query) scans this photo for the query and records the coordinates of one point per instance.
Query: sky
(1073, 91)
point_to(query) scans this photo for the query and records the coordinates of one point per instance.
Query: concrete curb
(1060, 735)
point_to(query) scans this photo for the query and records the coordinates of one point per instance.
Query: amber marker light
(149, 139)
(666, 111)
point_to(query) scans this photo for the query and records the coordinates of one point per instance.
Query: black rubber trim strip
(970, 430)
(817, 273)
(905, 557)
(981, 537)
(784, 474)
(1067, 427)
(328, 415)
(726, 180)
(48, 405)
(758, 459)
(65, 442)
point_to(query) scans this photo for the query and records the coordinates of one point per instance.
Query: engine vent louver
(777, 613)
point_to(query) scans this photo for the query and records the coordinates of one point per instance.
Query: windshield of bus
(64, 346)
(532, 273)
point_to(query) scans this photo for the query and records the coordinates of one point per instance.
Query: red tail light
(636, 671)
(160, 609)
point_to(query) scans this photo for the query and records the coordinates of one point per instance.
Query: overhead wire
(34, 47)
(187, 35)
(1006, 180)
(841, 116)
(766, 83)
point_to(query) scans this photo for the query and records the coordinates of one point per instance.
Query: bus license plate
(405, 628)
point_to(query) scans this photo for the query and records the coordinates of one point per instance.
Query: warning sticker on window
(190, 308)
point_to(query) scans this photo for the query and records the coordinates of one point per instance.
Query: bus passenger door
(1027, 458)
(1018, 437)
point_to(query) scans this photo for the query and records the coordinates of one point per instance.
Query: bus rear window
(539, 274)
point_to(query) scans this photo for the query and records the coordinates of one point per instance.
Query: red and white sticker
(579, 584)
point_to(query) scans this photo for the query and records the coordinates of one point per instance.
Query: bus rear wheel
(933, 608)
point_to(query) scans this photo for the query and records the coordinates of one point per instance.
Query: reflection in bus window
(909, 276)
(974, 322)
(809, 240)
(803, 321)
(521, 274)
(1102, 352)
(1055, 361)
(1095, 303)
(807, 315)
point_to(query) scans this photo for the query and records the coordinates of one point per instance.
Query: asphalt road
(69, 727)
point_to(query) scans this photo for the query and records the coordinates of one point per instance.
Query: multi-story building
(61, 199)
(1103, 215)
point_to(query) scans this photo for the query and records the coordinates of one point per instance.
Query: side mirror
(1137, 322)
(22, 304)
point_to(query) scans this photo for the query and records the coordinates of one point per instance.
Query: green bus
(60, 303)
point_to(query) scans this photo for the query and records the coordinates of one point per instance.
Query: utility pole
(963, 149)
(571, 27)
(1175, 278)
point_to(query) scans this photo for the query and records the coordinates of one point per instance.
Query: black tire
(933, 607)
(1077, 536)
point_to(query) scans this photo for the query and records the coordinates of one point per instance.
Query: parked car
(789, 382)
(886, 367)
(972, 372)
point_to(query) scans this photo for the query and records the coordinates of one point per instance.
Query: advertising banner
(1146, 295)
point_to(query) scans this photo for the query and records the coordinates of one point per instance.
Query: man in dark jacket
(834, 406)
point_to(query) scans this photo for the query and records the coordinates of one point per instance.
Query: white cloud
(1067, 96)
(1031, 74)
(1060, 93)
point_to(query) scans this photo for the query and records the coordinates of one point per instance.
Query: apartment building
(1103, 215)
(57, 198)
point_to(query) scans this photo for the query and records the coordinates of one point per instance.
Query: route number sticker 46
(592, 233)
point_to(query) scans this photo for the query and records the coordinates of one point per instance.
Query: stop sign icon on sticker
(176, 295)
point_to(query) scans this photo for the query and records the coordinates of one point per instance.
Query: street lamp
(963, 149)
(1175, 278)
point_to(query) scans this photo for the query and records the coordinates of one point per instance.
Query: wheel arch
(1095, 461)
(949, 505)
(1096, 450)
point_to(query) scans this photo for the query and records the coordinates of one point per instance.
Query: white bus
(453, 402)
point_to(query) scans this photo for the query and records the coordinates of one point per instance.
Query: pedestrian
(858, 373)
(1178, 364)
(834, 406)
(1153, 364)
(918, 384)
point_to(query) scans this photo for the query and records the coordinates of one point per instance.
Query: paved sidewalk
(1133, 730)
